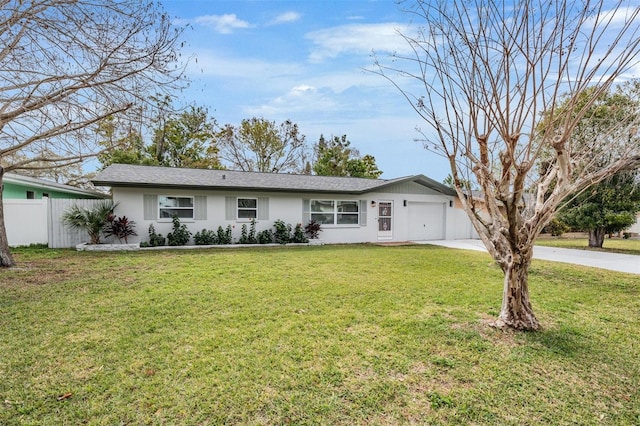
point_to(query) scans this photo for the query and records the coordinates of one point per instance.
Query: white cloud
(301, 89)
(302, 98)
(341, 80)
(330, 43)
(224, 24)
(209, 63)
(615, 18)
(285, 18)
(339, 95)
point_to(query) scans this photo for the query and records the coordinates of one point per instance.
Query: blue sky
(304, 61)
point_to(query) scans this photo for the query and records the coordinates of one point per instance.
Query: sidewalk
(612, 261)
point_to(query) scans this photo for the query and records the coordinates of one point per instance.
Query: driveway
(628, 263)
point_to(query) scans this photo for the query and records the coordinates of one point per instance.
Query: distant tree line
(191, 138)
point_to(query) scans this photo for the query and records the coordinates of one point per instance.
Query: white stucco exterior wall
(289, 208)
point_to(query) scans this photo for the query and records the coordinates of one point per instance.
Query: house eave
(18, 179)
(425, 181)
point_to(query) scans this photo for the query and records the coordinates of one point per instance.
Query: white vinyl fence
(40, 222)
(26, 221)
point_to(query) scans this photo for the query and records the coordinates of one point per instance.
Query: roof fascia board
(30, 181)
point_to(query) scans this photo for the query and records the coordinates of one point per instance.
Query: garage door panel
(426, 221)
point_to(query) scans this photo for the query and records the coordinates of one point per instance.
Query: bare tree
(259, 145)
(64, 66)
(481, 74)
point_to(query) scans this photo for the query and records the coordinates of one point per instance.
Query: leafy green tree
(259, 145)
(179, 140)
(186, 140)
(609, 206)
(122, 143)
(605, 208)
(336, 158)
(364, 167)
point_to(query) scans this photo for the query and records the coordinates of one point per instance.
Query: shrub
(557, 227)
(265, 237)
(155, 240)
(244, 237)
(120, 227)
(228, 235)
(248, 236)
(220, 236)
(252, 238)
(298, 235)
(312, 229)
(224, 236)
(282, 234)
(180, 235)
(205, 237)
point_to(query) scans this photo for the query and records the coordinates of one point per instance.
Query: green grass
(329, 335)
(613, 245)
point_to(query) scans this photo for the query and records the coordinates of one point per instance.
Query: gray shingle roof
(119, 175)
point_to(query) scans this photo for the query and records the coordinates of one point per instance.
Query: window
(347, 212)
(175, 206)
(247, 208)
(335, 212)
(31, 195)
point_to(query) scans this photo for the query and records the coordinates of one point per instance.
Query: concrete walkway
(628, 263)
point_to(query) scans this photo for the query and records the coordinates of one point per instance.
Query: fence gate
(60, 235)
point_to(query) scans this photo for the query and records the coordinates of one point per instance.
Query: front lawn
(310, 335)
(612, 245)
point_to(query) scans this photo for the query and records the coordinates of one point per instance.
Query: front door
(385, 220)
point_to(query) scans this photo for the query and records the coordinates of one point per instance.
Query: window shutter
(306, 211)
(263, 208)
(200, 207)
(230, 208)
(363, 212)
(150, 203)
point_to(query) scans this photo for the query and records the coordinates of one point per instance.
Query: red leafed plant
(120, 227)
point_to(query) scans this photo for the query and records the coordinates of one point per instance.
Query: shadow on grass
(566, 341)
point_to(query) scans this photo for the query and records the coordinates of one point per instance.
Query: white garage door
(426, 221)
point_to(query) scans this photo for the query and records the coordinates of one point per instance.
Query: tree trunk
(596, 237)
(6, 259)
(516, 309)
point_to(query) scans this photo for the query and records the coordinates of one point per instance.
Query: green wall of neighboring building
(19, 192)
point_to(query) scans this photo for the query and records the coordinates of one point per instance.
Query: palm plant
(92, 220)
